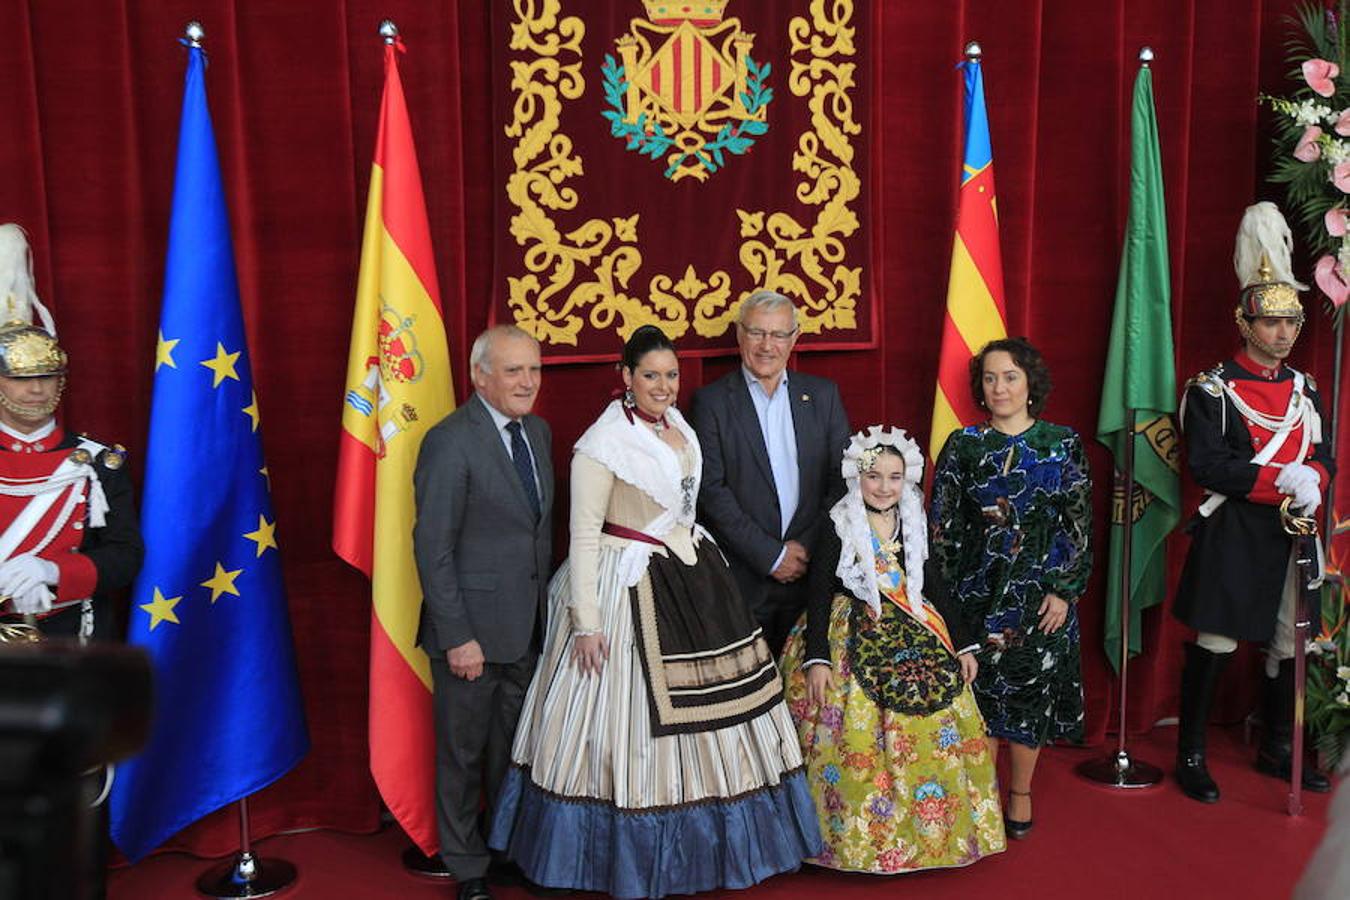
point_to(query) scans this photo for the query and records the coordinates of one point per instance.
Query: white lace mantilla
(636, 456)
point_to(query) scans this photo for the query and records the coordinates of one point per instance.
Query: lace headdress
(857, 559)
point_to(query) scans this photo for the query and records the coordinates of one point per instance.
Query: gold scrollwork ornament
(586, 277)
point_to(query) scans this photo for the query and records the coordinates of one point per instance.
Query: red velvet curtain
(89, 97)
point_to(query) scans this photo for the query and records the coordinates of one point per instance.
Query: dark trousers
(475, 724)
(778, 611)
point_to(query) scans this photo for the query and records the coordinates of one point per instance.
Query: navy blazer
(738, 501)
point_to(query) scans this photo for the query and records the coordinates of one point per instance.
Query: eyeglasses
(778, 337)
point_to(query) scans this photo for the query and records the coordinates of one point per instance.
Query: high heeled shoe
(1014, 829)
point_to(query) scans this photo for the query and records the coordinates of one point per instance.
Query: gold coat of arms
(685, 89)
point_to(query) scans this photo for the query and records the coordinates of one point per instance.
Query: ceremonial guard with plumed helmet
(67, 508)
(1254, 442)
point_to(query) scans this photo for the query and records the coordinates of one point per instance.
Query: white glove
(33, 601)
(1295, 477)
(1307, 497)
(24, 573)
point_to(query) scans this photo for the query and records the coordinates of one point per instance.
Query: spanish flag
(975, 310)
(398, 386)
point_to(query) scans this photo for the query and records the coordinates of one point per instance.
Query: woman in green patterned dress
(1011, 521)
(878, 684)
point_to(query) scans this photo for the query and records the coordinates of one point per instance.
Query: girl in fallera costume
(654, 754)
(878, 682)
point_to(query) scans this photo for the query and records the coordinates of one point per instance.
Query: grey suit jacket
(738, 502)
(482, 558)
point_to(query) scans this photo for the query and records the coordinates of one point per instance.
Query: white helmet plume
(18, 299)
(1264, 236)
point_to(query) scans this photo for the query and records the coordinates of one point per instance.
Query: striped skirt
(601, 796)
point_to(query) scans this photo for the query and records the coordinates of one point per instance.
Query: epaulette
(114, 457)
(111, 457)
(1211, 381)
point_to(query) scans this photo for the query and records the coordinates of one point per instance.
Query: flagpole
(1119, 769)
(245, 875)
(414, 860)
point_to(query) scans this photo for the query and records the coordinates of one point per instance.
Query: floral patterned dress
(896, 755)
(1011, 520)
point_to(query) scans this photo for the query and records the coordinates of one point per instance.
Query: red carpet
(1089, 842)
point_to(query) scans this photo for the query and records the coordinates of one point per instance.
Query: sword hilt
(1294, 524)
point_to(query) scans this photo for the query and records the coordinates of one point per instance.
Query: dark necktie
(520, 455)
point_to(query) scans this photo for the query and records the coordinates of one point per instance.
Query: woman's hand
(1053, 612)
(818, 678)
(589, 652)
(970, 666)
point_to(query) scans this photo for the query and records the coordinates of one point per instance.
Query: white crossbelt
(1300, 411)
(68, 479)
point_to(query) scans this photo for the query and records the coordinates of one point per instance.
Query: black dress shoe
(502, 871)
(474, 889)
(1014, 829)
(1282, 767)
(1193, 777)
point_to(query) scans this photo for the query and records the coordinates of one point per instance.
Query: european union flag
(209, 605)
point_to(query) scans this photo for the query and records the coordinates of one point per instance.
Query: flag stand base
(418, 863)
(1118, 770)
(247, 876)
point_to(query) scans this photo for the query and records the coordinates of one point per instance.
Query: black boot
(1276, 756)
(1198, 679)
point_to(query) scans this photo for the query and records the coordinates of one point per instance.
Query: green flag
(1140, 375)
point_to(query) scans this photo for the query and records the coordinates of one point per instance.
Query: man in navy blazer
(772, 443)
(484, 489)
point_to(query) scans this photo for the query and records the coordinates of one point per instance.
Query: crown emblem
(685, 88)
(701, 13)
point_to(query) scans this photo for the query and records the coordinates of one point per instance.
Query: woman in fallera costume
(1011, 520)
(654, 753)
(878, 682)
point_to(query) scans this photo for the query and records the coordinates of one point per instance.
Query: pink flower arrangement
(1342, 126)
(1319, 74)
(1329, 278)
(1340, 176)
(1337, 221)
(1308, 149)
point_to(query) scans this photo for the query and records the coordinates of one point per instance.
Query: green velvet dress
(1011, 520)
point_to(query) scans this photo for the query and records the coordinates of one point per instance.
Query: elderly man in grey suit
(772, 443)
(484, 488)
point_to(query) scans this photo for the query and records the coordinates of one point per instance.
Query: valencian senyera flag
(398, 386)
(208, 606)
(1141, 376)
(657, 162)
(975, 310)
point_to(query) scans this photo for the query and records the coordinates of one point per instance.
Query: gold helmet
(1261, 258)
(26, 350)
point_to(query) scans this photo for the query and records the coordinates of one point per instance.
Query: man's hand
(794, 563)
(23, 574)
(465, 661)
(1301, 482)
(34, 601)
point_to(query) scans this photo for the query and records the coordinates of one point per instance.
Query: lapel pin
(806, 398)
